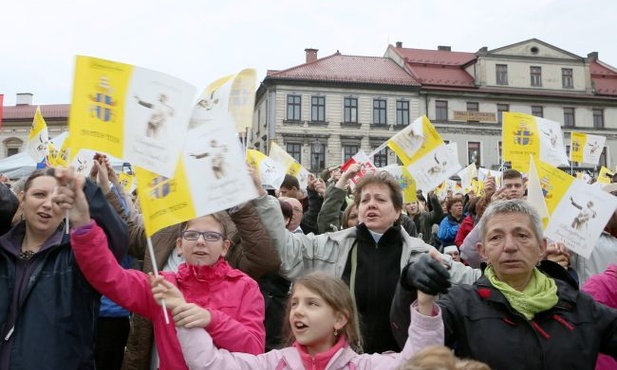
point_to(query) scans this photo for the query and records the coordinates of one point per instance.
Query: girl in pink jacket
(322, 324)
(229, 302)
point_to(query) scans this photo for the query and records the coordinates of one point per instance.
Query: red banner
(1, 108)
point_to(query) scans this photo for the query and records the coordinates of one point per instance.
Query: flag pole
(156, 273)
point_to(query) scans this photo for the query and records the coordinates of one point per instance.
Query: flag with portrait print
(577, 211)
(524, 134)
(586, 148)
(129, 112)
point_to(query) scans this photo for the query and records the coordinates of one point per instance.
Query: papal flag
(233, 94)
(129, 112)
(467, 174)
(433, 167)
(211, 176)
(289, 163)
(271, 172)
(524, 134)
(406, 182)
(586, 148)
(578, 211)
(408, 141)
(38, 138)
(605, 176)
(535, 194)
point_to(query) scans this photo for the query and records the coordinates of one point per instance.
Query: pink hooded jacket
(233, 298)
(200, 352)
(603, 288)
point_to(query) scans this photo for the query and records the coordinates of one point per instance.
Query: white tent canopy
(22, 164)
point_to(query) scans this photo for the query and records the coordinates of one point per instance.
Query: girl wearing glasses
(221, 299)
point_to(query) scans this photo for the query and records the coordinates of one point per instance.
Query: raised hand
(69, 195)
(428, 275)
(165, 290)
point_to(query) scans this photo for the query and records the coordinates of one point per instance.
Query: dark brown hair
(380, 178)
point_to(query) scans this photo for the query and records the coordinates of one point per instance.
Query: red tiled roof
(440, 57)
(27, 111)
(438, 67)
(604, 78)
(435, 75)
(348, 68)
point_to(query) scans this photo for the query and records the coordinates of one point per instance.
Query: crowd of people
(339, 275)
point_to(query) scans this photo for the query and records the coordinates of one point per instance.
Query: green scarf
(539, 295)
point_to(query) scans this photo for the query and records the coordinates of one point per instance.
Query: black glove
(427, 275)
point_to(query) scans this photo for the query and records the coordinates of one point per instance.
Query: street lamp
(317, 149)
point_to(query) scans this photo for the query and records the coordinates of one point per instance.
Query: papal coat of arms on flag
(103, 103)
(523, 135)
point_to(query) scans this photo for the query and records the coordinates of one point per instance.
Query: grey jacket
(328, 252)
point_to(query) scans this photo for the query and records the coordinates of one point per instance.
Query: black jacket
(55, 321)
(480, 324)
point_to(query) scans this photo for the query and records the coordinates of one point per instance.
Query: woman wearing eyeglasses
(234, 305)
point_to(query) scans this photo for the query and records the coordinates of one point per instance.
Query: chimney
(24, 99)
(399, 44)
(311, 54)
(593, 56)
(444, 48)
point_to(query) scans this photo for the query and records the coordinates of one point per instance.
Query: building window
(567, 78)
(402, 112)
(501, 74)
(295, 150)
(349, 150)
(537, 110)
(473, 152)
(501, 108)
(11, 151)
(379, 111)
(318, 156)
(380, 159)
(318, 109)
(350, 107)
(598, 118)
(473, 107)
(12, 145)
(293, 107)
(536, 76)
(568, 117)
(441, 110)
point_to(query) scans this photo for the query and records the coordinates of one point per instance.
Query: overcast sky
(202, 40)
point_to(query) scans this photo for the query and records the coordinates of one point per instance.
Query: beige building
(350, 102)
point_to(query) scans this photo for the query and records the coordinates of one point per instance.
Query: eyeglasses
(209, 236)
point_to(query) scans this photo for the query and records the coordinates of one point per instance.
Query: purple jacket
(603, 288)
(200, 353)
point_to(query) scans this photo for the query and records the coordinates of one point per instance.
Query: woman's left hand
(69, 195)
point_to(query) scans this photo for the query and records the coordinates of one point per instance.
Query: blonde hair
(336, 294)
(441, 358)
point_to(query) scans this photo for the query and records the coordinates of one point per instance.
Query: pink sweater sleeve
(128, 288)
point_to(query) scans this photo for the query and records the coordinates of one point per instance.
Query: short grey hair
(512, 206)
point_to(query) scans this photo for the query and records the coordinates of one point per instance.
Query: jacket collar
(339, 360)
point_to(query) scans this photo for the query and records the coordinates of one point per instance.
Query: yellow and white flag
(406, 182)
(38, 138)
(129, 112)
(127, 181)
(586, 148)
(289, 163)
(578, 211)
(605, 176)
(524, 134)
(535, 195)
(467, 174)
(409, 140)
(233, 94)
(271, 172)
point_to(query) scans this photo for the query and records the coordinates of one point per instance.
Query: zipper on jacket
(8, 335)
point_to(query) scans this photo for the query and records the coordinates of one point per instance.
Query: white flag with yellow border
(289, 163)
(271, 172)
(409, 140)
(434, 167)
